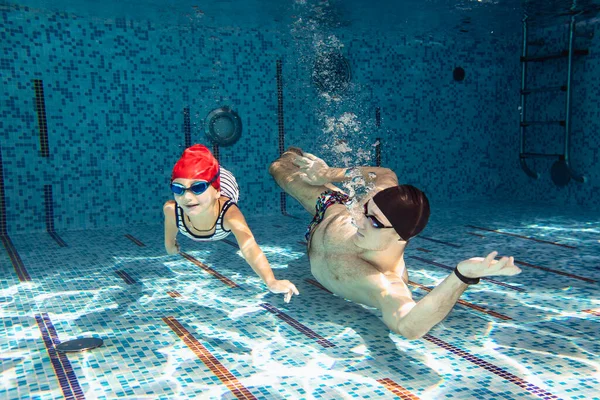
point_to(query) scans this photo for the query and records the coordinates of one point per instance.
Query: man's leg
(287, 176)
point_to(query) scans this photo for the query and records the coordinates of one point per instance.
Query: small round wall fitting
(77, 345)
(458, 74)
(223, 126)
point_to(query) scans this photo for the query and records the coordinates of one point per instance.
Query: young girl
(205, 209)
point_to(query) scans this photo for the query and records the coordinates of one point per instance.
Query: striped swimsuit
(229, 188)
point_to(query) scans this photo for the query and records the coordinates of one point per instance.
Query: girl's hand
(283, 286)
(173, 249)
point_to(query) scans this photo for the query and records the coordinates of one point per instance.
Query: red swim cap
(197, 162)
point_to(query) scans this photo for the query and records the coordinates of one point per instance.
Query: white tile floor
(176, 331)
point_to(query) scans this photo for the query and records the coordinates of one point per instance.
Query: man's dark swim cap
(406, 207)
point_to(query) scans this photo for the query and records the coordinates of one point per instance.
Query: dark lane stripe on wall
(3, 228)
(126, 277)
(306, 331)
(62, 367)
(216, 151)
(522, 383)
(40, 108)
(187, 132)
(506, 285)
(215, 366)
(134, 240)
(521, 237)
(211, 271)
(15, 259)
(397, 389)
(378, 140)
(49, 207)
(280, 126)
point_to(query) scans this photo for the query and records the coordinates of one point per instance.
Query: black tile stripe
(216, 151)
(125, 276)
(15, 259)
(3, 229)
(187, 132)
(67, 379)
(40, 108)
(280, 126)
(378, 140)
(134, 240)
(57, 239)
(282, 203)
(49, 208)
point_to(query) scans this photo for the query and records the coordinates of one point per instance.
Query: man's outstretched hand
(478, 267)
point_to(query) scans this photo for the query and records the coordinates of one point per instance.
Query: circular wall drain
(223, 126)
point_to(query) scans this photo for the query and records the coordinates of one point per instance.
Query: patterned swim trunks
(323, 202)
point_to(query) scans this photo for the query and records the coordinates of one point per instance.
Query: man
(361, 257)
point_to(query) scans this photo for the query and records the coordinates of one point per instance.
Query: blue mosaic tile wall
(447, 137)
(115, 93)
(111, 120)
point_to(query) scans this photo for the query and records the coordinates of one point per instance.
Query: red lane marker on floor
(397, 389)
(211, 271)
(220, 371)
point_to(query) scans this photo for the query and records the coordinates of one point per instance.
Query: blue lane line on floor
(15, 259)
(62, 367)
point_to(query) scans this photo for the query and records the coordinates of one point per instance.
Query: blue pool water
(99, 99)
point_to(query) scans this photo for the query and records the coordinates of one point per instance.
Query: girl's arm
(234, 221)
(171, 244)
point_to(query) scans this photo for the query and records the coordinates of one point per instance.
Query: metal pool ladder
(562, 172)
